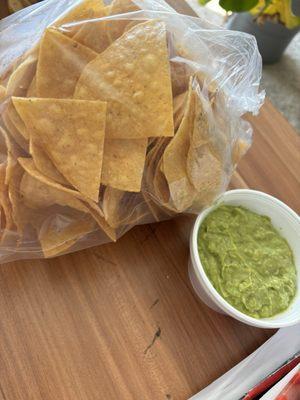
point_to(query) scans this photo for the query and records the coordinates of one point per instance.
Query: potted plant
(274, 23)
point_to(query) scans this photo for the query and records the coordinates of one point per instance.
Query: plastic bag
(115, 114)
(234, 385)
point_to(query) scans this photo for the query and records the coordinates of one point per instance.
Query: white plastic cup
(284, 219)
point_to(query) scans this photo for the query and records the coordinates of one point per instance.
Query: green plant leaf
(238, 5)
(203, 2)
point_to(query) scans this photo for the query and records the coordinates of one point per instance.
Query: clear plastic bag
(115, 114)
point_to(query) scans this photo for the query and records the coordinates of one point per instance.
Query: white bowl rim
(209, 288)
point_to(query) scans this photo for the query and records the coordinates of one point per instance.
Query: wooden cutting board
(121, 321)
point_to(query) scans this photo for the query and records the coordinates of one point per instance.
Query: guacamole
(248, 262)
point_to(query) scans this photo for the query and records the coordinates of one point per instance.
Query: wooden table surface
(121, 321)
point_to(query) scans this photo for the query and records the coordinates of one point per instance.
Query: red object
(273, 379)
(292, 390)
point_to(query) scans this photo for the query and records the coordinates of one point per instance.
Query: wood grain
(121, 321)
(3, 9)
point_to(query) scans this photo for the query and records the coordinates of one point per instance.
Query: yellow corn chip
(45, 165)
(71, 132)
(57, 234)
(98, 215)
(155, 193)
(61, 61)
(179, 107)
(123, 163)
(122, 208)
(37, 194)
(174, 159)
(40, 191)
(13, 152)
(20, 213)
(116, 27)
(31, 91)
(4, 200)
(93, 34)
(203, 164)
(2, 92)
(22, 76)
(85, 10)
(14, 132)
(87, 205)
(16, 120)
(133, 76)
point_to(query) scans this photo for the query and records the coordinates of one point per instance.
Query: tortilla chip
(93, 34)
(155, 193)
(98, 215)
(180, 75)
(16, 120)
(69, 198)
(122, 208)
(37, 194)
(13, 151)
(123, 163)
(31, 91)
(45, 191)
(20, 212)
(61, 61)
(22, 76)
(2, 92)
(204, 167)
(116, 27)
(133, 76)
(85, 10)
(71, 132)
(179, 107)
(14, 132)
(4, 200)
(45, 165)
(174, 159)
(57, 234)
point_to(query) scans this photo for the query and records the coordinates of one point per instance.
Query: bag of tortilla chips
(114, 114)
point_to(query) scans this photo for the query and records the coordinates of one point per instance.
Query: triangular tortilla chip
(16, 120)
(37, 194)
(22, 76)
(122, 208)
(61, 61)
(14, 132)
(4, 200)
(98, 215)
(174, 159)
(116, 27)
(57, 234)
(40, 191)
(20, 212)
(85, 10)
(179, 107)
(87, 206)
(13, 152)
(204, 167)
(123, 163)
(45, 165)
(31, 91)
(133, 76)
(156, 196)
(2, 92)
(93, 33)
(180, 74)
(72, 134)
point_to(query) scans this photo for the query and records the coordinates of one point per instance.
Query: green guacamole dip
(248, 262)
